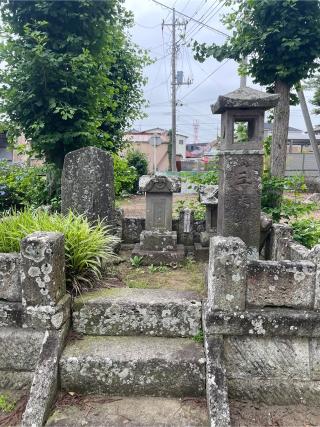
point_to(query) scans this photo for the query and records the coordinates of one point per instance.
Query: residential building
(154, 144)
(12, 155)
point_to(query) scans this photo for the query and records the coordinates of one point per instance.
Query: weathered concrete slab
(268, 322)
(134, 411)
(268, 358)
(216, 384)
(20, 348)
(125, 311)
(134, 366)
(281, 284)
(281, 391)
(158, 240)
(10, 285)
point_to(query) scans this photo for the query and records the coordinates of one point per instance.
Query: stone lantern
(241, 164)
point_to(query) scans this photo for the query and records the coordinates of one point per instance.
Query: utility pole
(309, 126)
(174, 94)
(243, 79)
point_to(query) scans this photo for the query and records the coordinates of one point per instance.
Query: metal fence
(301, 164)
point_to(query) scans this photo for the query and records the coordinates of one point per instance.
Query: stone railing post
(44, 300)
(279, 232)
(227, 274)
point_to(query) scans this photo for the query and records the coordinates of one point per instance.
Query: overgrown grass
(307, 231)
(87, 247)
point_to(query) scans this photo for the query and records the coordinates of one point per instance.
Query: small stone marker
(158, 243)
(241, 164)
(209, 198)
(87, 185)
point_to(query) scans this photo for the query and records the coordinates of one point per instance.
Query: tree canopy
(281, 39)
(72, 76)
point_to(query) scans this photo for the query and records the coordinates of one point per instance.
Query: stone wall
(262, 322)
(34, 321)
(133, 226)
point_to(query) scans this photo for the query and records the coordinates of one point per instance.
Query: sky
(209, 79)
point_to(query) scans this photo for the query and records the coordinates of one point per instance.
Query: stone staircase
(136, 342)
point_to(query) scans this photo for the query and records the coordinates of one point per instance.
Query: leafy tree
(282, 40)
(72, 76)
(139, 161)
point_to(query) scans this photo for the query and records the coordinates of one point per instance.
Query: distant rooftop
(268, 126)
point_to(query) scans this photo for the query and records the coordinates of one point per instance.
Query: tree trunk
(280, 130)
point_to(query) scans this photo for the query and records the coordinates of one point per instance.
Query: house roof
(268, 126)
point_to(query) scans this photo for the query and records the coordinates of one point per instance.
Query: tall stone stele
(158, 243)
(87, 185)
(241, 164)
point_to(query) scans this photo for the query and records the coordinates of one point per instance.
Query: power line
(192, 19)
(204, 80)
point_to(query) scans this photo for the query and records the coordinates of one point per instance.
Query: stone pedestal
(158, 243)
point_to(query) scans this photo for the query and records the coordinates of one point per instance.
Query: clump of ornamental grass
(88, 248)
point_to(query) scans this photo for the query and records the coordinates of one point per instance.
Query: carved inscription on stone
(159, 214)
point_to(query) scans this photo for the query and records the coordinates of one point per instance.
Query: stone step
(20, 350)
(167, 367)
(118, 411)
(125, 311)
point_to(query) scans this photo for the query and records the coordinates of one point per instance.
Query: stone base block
(15, 380)
(47, 317)
(205, 237)
(125, 311)
(159, 257)
(20, 349)
(201, 253)
(158, 240)
(168, 367)
(10, 314)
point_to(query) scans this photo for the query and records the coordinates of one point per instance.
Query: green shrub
(125, 176)
(307, 231)
(198, 208)
(201, 178)
(139, 161)
(22, 186)
(275, 204)
(87, 247)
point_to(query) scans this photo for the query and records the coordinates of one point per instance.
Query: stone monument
(158, 243)
(209, 198)
(87, 185)
(241, 164)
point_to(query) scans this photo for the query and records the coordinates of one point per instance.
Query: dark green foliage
(139, 161)
(72, 76)
(282, 38)
(125, 176)
(307, 231)
(22, 186)
(201, 178)
(275, 204)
